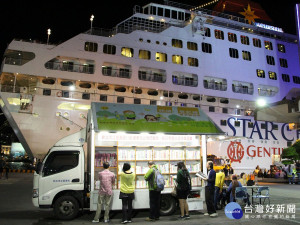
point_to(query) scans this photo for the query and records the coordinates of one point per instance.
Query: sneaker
(129, 221)
(149, 219)
(95, 221)
(106, 221)
(187, 216)
(123, 222)
(206, 214)
(214, 215)
(181, 218)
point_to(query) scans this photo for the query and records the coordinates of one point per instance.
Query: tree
(291, 153)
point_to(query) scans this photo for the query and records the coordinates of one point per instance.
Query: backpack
(159, 180)
(186, 185)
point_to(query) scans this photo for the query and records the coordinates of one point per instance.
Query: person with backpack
(156, 185)
(183, 189)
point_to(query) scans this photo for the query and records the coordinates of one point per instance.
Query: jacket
(150, 177)
(211, 180)
(180, 178)
(220, 178)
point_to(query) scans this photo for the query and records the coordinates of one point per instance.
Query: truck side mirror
(38, 167)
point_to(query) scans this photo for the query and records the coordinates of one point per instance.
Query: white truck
(66, 180)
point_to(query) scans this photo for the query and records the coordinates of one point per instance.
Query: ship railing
(268, 93)
(242, 90)
(214, 85)
(80, 68)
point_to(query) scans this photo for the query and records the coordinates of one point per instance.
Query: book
(201, 175)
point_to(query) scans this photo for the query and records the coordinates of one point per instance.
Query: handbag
(174, 190)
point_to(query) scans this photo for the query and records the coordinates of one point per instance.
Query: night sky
(31, 19)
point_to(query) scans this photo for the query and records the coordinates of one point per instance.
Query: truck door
(62, 170)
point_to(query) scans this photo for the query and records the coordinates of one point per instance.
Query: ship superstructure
(161, 55)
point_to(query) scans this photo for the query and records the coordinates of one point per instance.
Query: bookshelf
(165, 157)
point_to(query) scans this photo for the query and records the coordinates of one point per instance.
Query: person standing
(107, 181)
(233, 185)
(183, 188)
(290, 174)
(220, 178)
(210, 190)
(127, 186)
(298, 170)
(6, 167)
(154, 194)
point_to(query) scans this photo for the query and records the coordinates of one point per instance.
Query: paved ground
(16, 208)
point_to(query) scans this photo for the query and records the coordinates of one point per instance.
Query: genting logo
(235, 151)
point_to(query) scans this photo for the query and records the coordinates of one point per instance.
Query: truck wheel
(66, 207)
(167, 205)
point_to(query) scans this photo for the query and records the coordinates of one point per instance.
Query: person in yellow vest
(243, 179)
(220, 177)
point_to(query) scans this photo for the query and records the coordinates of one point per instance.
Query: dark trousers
(209, 199)
(126, 209)
(154, 197)
(216, 197)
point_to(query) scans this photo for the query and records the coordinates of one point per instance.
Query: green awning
(113, 117)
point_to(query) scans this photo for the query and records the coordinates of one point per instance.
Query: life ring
(59, 94)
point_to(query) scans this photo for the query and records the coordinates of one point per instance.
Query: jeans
(154, 197)
(216, 197)
(209, 199)
(126, 209)
(291, 179)
(103, 200)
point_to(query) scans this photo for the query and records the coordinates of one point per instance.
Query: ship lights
(48, 33)
(261, 102)
(91, 19)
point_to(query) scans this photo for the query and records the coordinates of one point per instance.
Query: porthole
(152, 92)
(49, 81)
(183, 96)
(67, 83)
(120, 89)
(103, 87)
(141, 39)
(85, 85)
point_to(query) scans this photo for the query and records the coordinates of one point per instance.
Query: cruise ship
(166, 54)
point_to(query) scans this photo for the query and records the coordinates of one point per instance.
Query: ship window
(232, 37)
(177, 59)
(246, 55)
(275, 126)
(65, 94)
(66, 83)
(157, 42)
(137, 91)
(207, 32)
(124, 73)
(268, 45)
(224, 101)
(211, 108)
(109, 49)
(180, 15)
(260, 73)
(183, 96)
(219, 34)
(159, 76)
(196, 97)
(160, 11)
(165, 43)
(192, 46)
(176, 43)
(120, 99)
(167, 13)
(85, 85)
(86, 96)
(144, 54)
(272, 75)
(233, 53)
(250, 124)
(224, 110)
(103, 87)
(107, 70)
(161, 57)
(285, 77)
(192, 61)
(206, 48)
(127, 52)
(296, 80)
(153, 10)
(256, 42)
(270, 60)
(183, 104)
(148, 41)
(174, 14)
(237, 123)
(49, 81)
(244, 40)
(91, 47)
(120, 89)
(283, 63)
(152, 92)
(153, 102)
(223, 122)
(211, 99)
(137, 101)
(103, 98)
(281, 48)
(47, 92)
(185, 80)
(18, 58)
(168, 94)
(141, 39)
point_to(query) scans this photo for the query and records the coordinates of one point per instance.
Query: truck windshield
(60, 161)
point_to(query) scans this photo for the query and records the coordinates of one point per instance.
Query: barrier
(18, 171)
